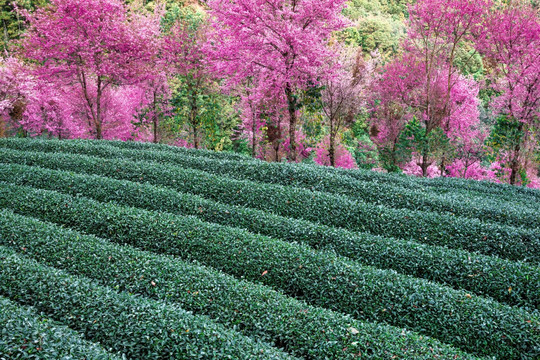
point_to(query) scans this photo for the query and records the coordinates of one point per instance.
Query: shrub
(27, 334)
(466, 187)
(307, 177)
(515, 283)
(328, 209)
(477, 325)
(255, 310)
(132, 325)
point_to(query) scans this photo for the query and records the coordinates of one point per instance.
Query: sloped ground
(148, 251)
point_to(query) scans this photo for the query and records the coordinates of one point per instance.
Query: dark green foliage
(377, 25)
(482, 189)
(475, 324)
(415, 138)
(254, 310)
(328, 209)
(201, 153)
(305, 177)
(137, 327)
(27, 334)
(448, 186)
(507, 136)
(12, 24)
(483, 275)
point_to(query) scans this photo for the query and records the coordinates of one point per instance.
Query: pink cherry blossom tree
(395, 97)
(423, 82)
(342, 156)
(251, 109)
(399, 95)
(345, 93)
(93, 45)
(13, 91)
(512, 48)
(283, 41)
(437, 30)
(48, 112)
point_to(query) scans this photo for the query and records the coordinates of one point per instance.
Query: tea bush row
(27, 334)
(253, 309)
(333, 210)
(302, 176)
(138, 327)
(514, 283)
(474, 324)
(439, 185)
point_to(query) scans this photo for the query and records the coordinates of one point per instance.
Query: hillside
(158, 252)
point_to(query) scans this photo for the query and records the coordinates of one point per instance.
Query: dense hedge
(475, 324)
(306, 177)
(138, 327)
(440, 185)
(255, 310)
(514, 283)
(485, 187)
(313, 179)
(444, 185)
(26, 334)
(220, 155)
(328, 209)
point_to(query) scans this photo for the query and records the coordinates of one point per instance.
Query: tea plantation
(123, 250)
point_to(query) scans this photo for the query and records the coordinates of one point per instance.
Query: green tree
(416, 140)
(12, 23)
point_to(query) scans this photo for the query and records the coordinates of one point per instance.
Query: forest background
(428, 88)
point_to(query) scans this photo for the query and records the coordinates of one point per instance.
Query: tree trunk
(193, 119)
(253, 135)
(515, 158)
(443, 164)
(99, 131)
(332, 147)
(292, 123)
(515, 164)
(424, 165)
(99, 127)
(467, 164)
(332, 152)
(2, 128)
(155, 140)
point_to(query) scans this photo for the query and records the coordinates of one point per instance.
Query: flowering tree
(90, 43)
(345, 93)
(342, 157)
(280, 40)
(155, 102)
(399, 98)
(394, 97)
(47, 112)
(425, 81)
(438, 29)
(512, 47)
(15, 89)
(251, 108)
